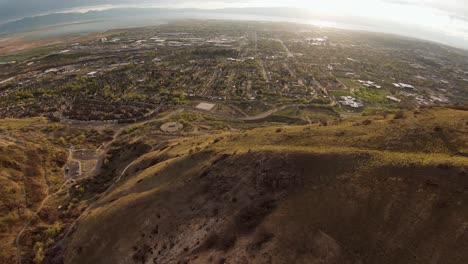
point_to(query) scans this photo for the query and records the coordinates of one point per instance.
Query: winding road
(266, 113)
(256, 117)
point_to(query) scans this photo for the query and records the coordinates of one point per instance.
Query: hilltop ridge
(387, 192)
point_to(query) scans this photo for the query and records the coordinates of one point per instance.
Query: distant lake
(85, 27)
(92, 27)
(60, 24)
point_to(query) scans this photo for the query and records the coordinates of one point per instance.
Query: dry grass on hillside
(371, 190)
(32, 154)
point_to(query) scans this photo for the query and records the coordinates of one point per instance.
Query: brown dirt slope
(29, 169)
(365, 190)
(32, 184)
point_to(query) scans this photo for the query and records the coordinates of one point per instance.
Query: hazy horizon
(445, 23)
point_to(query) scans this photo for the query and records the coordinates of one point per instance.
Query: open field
(23, 46)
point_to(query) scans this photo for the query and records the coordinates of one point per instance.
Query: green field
(349, 83)
(23, 55)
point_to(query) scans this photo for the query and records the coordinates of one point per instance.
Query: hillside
(32, 157)
(379, 189)
(29, 171)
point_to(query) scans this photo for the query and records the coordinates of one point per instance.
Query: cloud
(458, 8)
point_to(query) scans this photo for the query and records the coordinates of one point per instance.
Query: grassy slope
(32, 154)
(392, 191)
(28, 164)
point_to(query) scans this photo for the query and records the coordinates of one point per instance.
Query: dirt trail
(36, 214)
(98, 166)
(93, 204)
(95, 171)
(107, 146)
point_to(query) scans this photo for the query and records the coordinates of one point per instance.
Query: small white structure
(350, 101)
(92, 73)
(393, 99)
(404, 85)
(351, 59)
(440, 99)
(205, 106)
(51, 70)
(234, 60)
(369, 84)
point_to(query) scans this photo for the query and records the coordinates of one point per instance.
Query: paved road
(266, 113)
(260, 116)
(290, 55)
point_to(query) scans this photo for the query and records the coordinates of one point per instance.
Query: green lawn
(341, 93)
(371, 95)
(41, 51)
(349, 83)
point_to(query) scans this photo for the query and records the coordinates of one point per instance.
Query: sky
(444, 21)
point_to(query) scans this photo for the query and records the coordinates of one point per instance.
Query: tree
(39, 256)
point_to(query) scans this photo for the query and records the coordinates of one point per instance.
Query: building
(404, 85)
(369, 84)
(393, 98)
(350, 101)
